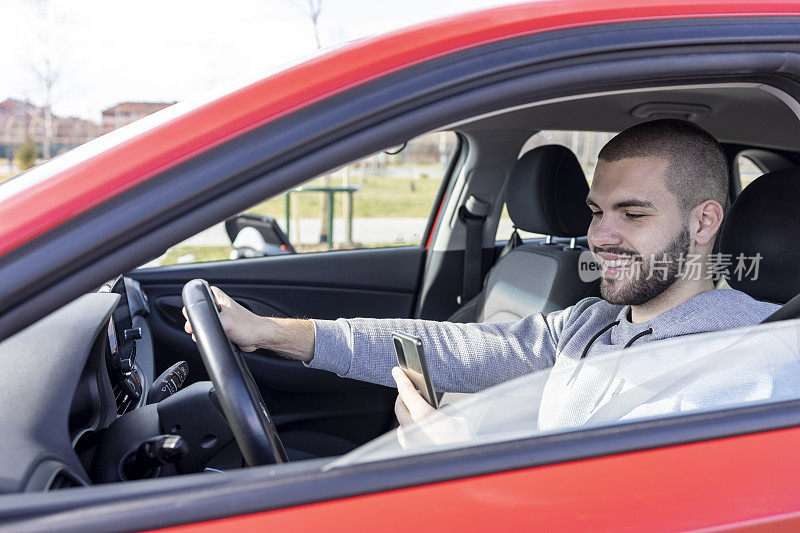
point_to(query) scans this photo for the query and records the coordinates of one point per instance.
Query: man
(657, 198)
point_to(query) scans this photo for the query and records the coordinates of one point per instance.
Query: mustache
(617, 250)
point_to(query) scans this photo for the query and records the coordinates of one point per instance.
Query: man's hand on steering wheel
(243, 327)
(289, 337)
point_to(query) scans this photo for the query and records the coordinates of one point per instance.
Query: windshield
(688, 374)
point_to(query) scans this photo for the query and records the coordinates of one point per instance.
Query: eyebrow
(633, 202)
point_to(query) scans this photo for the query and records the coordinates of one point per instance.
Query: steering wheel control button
(168, 383)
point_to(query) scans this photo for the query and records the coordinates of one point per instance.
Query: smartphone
(411, 358)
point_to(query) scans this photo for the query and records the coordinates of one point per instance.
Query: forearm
(290, 337)
(461, 357)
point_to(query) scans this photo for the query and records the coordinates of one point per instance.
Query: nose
(603, 232)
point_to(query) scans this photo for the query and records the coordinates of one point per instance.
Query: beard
(644, 284)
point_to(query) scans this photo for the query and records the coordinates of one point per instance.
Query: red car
(78, 409)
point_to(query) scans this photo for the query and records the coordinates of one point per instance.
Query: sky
(108, 51)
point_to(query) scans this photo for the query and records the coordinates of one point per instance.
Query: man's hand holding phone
(410, 406)
(420, 424)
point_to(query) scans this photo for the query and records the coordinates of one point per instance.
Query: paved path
(365, 231)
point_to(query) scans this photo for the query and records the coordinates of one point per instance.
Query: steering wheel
(235, 388)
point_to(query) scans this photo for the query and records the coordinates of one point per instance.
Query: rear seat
(546, 194)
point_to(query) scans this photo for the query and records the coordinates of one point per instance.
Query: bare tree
(47, 74)
(312, 10)
(45, 64)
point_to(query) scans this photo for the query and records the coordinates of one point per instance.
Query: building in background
(21, 120)
(126, 112)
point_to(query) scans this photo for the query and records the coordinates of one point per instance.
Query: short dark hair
(698, 167)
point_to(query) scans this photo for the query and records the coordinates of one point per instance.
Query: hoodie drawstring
(586, 350)
(597, 335)
(636, 337)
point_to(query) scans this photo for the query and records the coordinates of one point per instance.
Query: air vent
(63, 480)
(125, 402)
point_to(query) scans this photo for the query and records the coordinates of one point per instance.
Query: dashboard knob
(132, 334)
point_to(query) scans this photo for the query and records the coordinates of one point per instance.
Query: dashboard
(65, 379)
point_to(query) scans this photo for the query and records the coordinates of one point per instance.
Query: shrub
(26, 155)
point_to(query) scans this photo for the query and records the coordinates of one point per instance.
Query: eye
(634, 216)
(597, 214)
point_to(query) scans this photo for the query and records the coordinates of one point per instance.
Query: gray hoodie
(471, 357)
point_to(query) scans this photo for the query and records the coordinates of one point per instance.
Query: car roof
(747, 114)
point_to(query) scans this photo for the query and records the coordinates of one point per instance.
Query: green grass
(201, 254)
(379, 196)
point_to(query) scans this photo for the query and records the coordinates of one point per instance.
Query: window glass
(682, 375)
(382, 200)
(748, 170)
(584, 144)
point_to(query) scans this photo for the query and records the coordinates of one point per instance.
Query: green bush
(26, 155)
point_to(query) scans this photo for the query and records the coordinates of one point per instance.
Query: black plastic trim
(458, 158)
(382, 270)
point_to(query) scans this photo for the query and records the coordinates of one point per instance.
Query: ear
(709, 216)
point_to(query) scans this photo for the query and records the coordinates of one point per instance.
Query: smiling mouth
(613, 266)
(617, 263)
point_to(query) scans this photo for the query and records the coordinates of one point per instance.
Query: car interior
(142, 405)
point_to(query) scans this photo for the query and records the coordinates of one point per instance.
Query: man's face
(638, 233)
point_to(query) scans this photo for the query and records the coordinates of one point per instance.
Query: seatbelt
(620, 405)
(790, 309)
(473, 213)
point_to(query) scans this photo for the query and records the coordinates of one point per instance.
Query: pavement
(368, 231)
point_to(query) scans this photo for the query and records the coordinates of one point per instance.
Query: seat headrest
(547, 192)
(765, 220)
